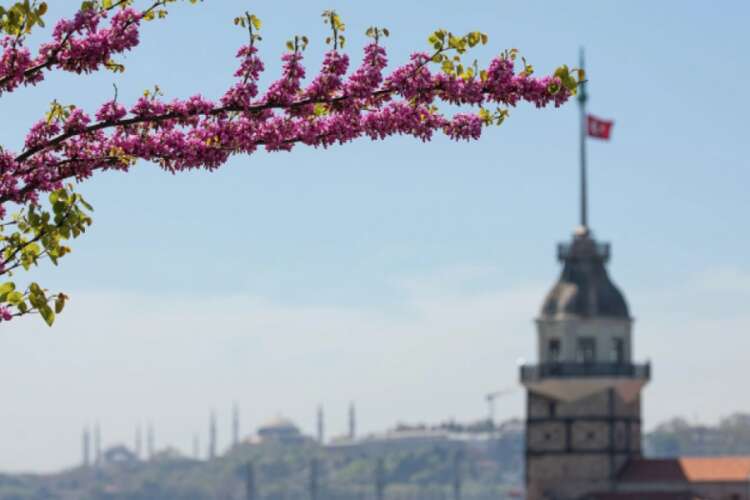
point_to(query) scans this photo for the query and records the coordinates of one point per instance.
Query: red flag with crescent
(598, 128)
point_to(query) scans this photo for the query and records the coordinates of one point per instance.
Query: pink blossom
(5, 314)
(198, 132)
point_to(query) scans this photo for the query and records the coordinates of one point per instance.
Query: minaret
(97, 445)
(235, 425)
(86, 447)
(150, 441)
(212, 437)
(583, 414)
(321, 426)
(352, 422)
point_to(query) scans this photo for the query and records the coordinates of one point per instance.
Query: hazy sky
(398, 275)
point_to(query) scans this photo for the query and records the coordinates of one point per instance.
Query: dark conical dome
(584, 288)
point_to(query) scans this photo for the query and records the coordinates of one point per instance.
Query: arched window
(553, 351)
(618, 350)
(586, 351)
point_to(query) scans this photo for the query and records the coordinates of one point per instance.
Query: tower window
(553, 351)
(586, 351)
(618, 351)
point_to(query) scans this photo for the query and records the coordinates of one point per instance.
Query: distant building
(170, 454)
(281, 430)
(119, 455)
(411, 438)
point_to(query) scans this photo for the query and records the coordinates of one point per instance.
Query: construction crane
(491, 397)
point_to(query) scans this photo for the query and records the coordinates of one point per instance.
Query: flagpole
(582, 97)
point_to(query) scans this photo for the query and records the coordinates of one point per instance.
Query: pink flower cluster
(5, 314)
(201, 133)
(79, 45)
(368, 77)
(14, 62)
(242, 93)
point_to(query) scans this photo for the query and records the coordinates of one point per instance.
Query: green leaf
(255, 22)
(5, 289)
(86, 204)
(47, 314)
(15, 298)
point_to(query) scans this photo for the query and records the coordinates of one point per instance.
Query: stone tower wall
(578, 447)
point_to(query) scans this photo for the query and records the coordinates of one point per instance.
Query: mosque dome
(280, 429)
(584, 289)
(278, 424)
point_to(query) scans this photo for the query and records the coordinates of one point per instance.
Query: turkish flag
(601, 129)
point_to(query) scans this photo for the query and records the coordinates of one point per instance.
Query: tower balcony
(571, 381)
(535, 373)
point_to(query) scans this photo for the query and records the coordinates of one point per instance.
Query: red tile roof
(716, 469)
(687, 469)
(644, 495)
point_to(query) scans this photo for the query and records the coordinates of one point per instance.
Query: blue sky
(401, 275)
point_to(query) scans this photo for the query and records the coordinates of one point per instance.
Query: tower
(235, 424)
(321, 425)
(583, 415)
(212, 437)
(86, 445)
(352, 421)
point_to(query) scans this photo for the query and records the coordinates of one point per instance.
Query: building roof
(718, 469)
(641, 495)
(688, 469)
(584, 288)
